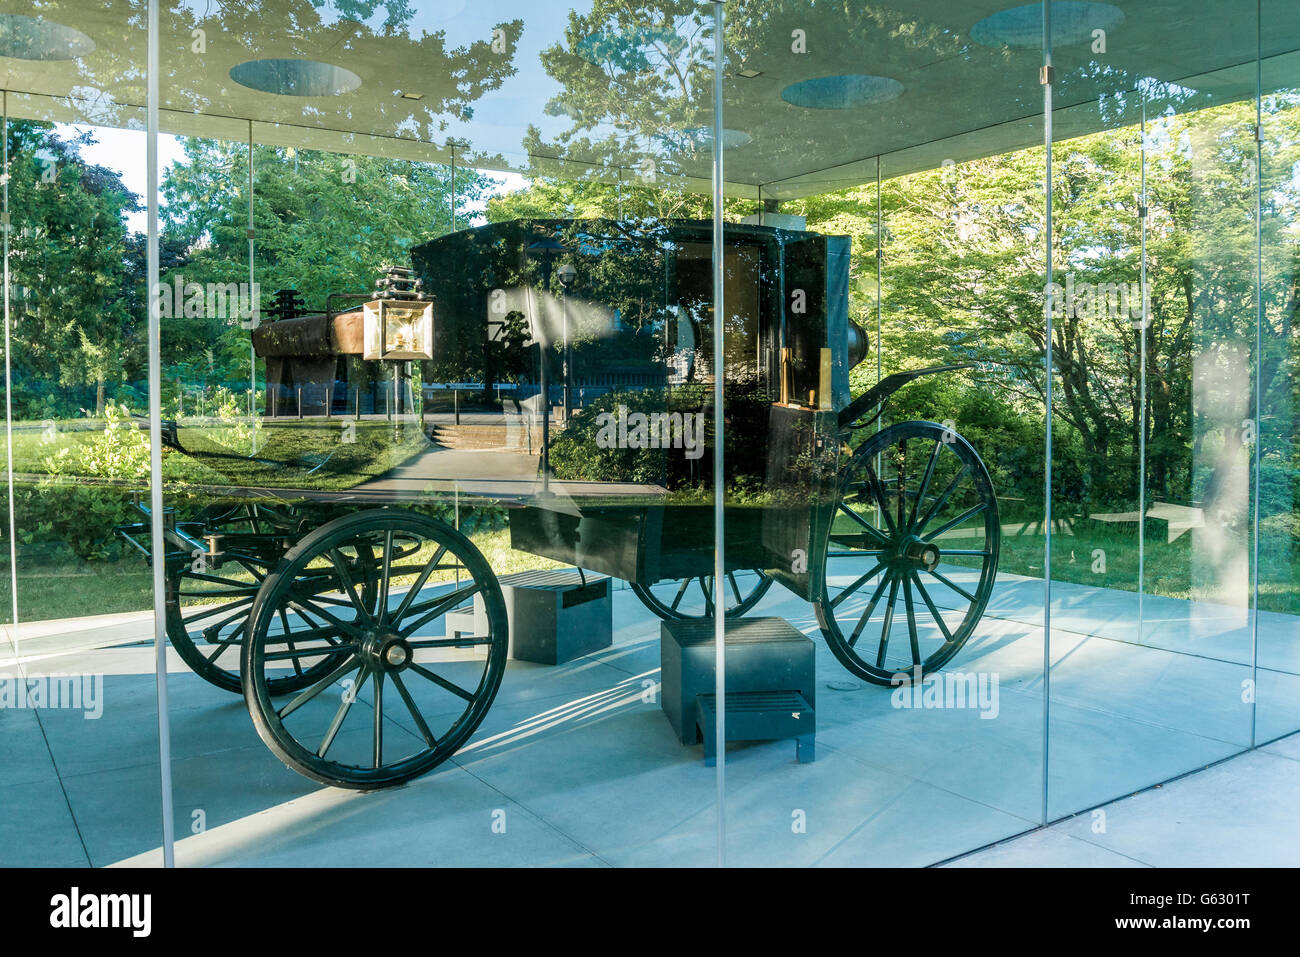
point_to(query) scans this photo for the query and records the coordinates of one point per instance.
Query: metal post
(1047, 453)
(329, 402)
(719, 489)
(300, 402)
(356, 406)
(252, 352)
(455, 401)
(568, 356)
(158, 543)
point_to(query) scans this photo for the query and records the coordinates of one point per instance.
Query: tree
(75, 319)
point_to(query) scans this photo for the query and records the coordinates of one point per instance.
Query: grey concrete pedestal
(555, 616)
(771, 680)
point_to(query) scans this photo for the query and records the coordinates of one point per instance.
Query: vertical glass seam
(1142, 386)
(157, 543)
(9, 407)
(1259, 360)
(1047, 450)
(719, 491)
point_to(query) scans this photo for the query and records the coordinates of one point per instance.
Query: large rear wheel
(367, 593)
(910, 555)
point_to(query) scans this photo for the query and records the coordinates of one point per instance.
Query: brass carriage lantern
(398, 322)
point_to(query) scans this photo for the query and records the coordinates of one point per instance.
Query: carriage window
(742, 297)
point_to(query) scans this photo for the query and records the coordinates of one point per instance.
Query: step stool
(759, 716)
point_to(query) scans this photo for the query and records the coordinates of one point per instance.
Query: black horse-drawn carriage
(323, 609)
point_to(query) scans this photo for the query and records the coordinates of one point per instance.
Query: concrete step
(507, 435)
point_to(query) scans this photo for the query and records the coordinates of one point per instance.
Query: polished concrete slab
(1238, 813)
(576, 764)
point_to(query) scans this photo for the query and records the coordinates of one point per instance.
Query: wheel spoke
(344, 707)
(318, 687)
(942, 500)
(442, 682)
(415, 712)
(381, 606)
(437, 607)
(218, 609)
(889, 620)
(224, 646)
(284, 622)
(379, 716)
(350, 627)
(213, 632)
(735, 589)
(867, 526)
(953, 585)
(934, 612)
(911, 622)
(299, 653)
(902, 484)
(862, 580)
(948, 526)
(450, 642)
(871, 606)
(925, 480)
(418, 584)
(340, 566)
(677, 600)
(879, 493)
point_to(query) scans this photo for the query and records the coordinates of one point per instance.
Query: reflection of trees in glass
(615, 307)
(452, 79)
(75, 276)
(964, 274)
(325, 223)
(637, 84)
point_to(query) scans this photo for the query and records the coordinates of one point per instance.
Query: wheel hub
(386, 651)
(918, 553)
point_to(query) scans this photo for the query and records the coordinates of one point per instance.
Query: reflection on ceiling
(34, 38)
(623, 89)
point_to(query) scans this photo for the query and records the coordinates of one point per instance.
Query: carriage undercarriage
(331, 622)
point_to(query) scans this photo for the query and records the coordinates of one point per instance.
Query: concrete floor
(584, 770)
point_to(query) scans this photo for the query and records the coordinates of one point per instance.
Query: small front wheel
(368, 592)
(687, 598)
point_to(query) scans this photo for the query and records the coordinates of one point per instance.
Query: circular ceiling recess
(698, 139)
(287, 77)
(1073, 21)
(32, 38)
(844, 92)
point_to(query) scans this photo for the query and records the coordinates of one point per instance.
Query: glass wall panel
(1278, 705)
(1153, 318)
(417, 463)
(889, 216)
(78, 719)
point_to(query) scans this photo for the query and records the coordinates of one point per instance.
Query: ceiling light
(845, 92)
(413, 96)
(749, 74)
(32, 38)
(1073, 21)
(295, 77)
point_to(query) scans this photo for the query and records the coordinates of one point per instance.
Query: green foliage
(84, 492)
